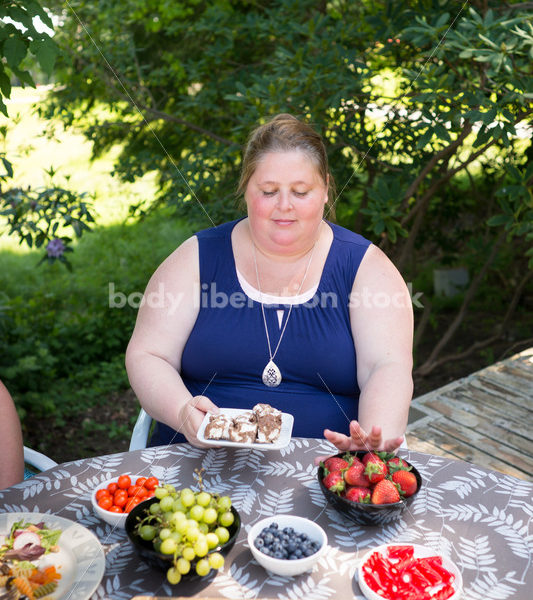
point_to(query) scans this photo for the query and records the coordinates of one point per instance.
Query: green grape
(203, 499)
(168, 546)
(157, 544)
(166, 504)
(226, 519)
(224, 503)
(212, 540)
(167, 516)
(170, 488)
(188, 553)
(165, 533)
(196, 512)
(178, 505)
(155, 508)
(160, 492)
(202, 567)
(183, 565)
(216, 560)
(203, 527)
(181, 526)
(176, 537)
(187, 497)
(222, 534)
(210, 515)
(201, 547)
(147, 532)
(178, 517)
(173, 576)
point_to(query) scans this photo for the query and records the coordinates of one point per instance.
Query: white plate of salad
(58, 549)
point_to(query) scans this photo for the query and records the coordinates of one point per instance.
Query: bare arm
(153, 356)
(382, 327)
(12, 463)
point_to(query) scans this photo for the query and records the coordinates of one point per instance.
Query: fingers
(204, 404)
(341, 441)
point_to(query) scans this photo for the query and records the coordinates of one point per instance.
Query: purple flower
(55, 248)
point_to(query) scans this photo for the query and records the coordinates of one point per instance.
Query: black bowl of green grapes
(183, 532)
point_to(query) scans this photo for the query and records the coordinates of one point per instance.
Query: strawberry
(375, 468)
(397, 464)
(358, 494)
(354, 475)
(406, 482)
(334, 481)
(334, 463)
(385, 492)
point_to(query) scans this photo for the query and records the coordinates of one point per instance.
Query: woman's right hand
(191, 415)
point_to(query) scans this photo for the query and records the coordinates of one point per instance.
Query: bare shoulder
(377, 270)
(181, 265)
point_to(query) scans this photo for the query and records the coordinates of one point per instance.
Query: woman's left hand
(359, 439)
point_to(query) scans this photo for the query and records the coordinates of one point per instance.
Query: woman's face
(285, 197)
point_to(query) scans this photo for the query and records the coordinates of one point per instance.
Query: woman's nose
(284, 200)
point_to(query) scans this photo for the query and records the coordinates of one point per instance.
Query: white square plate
(283, 440)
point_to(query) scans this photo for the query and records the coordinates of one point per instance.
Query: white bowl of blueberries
(287, 545)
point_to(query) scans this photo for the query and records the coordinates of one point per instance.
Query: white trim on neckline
(255, 295)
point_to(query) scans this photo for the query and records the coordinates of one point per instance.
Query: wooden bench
(485, 418)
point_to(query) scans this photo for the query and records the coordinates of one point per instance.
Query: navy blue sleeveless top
(227, 349)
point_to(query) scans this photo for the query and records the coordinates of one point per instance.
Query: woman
(280, 307)
(12, 463)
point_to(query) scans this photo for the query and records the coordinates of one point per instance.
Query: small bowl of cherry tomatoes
(114, 498)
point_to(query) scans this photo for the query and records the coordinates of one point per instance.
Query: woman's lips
(283, 222)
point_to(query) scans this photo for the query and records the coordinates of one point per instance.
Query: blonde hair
(285, 133)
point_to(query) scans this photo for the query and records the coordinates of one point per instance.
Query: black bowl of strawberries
(370, 488)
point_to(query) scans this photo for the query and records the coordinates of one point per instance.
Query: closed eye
(300, 194)
(268, 193)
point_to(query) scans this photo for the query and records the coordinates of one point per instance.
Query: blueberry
(259, 543)
(268, 538)
(288, 530)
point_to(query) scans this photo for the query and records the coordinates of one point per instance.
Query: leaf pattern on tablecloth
(214, 461)
(309, 588)
(295, 470)
(293, 445)
(236, 583)
(480, 519)
(275, 502)
(337, 561)
(427, 500)
(243, 498)
(489, 587)
(463, 485)
(245, 458)
(477, 554)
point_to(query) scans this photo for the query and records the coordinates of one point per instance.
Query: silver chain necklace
(271, 373)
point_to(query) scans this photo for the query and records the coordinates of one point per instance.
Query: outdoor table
(480, 519)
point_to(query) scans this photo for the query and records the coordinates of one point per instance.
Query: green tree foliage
(432, 167)
(36, 216)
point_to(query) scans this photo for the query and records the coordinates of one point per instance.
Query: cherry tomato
(106, 502)
(115, 509)
(151, 483)
(124, 482)
(149, 494)
(132, 503)
(133, 490)
(112, 487)
(140, 481)
(139, 492)
(120, 498)
(101, 493)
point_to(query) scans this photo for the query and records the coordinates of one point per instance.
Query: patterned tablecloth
(480, 519)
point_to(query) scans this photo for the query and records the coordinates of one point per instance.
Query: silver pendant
(271, 375)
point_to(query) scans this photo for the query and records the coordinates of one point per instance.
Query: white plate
(419, 552)
(283, 440)
(80, 559)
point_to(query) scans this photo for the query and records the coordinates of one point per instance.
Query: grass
(89, 397)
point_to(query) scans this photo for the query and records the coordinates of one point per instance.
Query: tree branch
(483, 344)
(430, 363)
